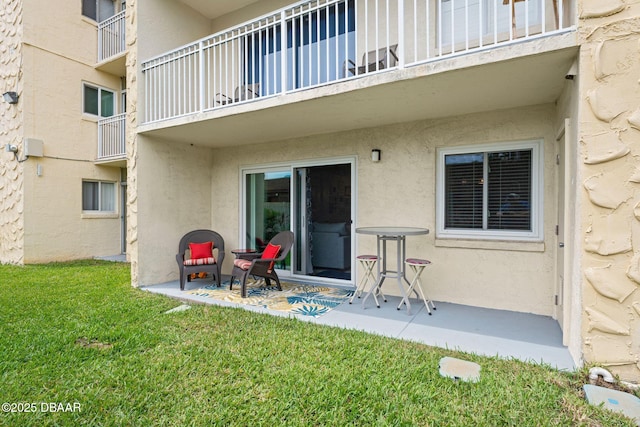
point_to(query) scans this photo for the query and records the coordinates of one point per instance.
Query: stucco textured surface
(132, 152)
(610, 146)
(11, 177)
(400, 190)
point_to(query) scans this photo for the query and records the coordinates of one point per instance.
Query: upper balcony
(377, 52)
(112, 147)
(112, 44)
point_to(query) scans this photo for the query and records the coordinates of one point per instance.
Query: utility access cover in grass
(614, 400)
(459, 369)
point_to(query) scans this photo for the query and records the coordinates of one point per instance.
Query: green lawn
(79, 336)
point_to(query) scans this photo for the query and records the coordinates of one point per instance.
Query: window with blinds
(98, 196)
(492, 192)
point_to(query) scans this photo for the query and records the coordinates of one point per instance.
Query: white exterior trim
(537, 193)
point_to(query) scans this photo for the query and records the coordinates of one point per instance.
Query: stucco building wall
(41, 216)
(11, 129)
(610, 180)
(132, 79)
(181, 187)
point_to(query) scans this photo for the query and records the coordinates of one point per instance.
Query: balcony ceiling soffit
(214, 9)
(531, 80)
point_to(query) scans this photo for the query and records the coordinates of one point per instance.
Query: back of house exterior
(508, 129)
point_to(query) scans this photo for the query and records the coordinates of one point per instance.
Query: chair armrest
(253, 92)
(259, 260)
(393, 53)
(226, 100)
(350, 67)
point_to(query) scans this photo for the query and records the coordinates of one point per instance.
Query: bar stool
(368, 262)
(417, 265)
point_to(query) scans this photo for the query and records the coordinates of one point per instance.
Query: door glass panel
(312, 201)
(106, 9)
(107, 101)
(323, 221)
(268, 204)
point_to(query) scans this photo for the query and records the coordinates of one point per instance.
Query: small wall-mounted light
(10, 97)
(10, 148)
(375, 155)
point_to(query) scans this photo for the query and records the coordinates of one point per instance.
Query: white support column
(401, 44)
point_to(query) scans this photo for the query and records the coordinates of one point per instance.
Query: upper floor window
(490, 191)
(98, 196)
(99, 10)
(98, 101)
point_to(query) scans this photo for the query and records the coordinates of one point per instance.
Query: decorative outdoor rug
(295, 298)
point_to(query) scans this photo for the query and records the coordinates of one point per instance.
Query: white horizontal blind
(464, 184)
(488, 191)
(509, 190)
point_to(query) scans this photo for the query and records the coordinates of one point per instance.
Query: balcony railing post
(401, 44)
(112, 137)
(111, 36)
(201, 77)
(100, 140)
(100, 45)
(283, 51)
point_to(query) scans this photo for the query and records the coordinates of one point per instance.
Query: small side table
(239, 253)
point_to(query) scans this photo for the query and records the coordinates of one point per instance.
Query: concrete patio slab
(487, 332)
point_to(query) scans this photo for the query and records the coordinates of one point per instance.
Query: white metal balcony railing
(112, 137)
(111, 36)
(333, 40)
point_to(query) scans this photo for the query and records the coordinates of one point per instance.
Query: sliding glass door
(314, 201)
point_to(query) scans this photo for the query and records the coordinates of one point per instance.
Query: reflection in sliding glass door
(268, 208)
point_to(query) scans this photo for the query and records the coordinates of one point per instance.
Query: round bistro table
(385, 234)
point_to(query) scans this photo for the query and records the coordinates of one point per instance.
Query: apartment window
(98, 10)
(490, 191)
(98, 101)
(98, 196)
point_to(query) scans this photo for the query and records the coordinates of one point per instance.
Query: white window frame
(537, 193)
(100, 90)
(101, 14)
(100, 201)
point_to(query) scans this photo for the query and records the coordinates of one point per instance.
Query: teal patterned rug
(295, 298)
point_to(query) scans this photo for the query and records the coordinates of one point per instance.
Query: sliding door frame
(291, 168)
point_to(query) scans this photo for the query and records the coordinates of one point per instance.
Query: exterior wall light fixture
(376, 155)
(10, 97)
